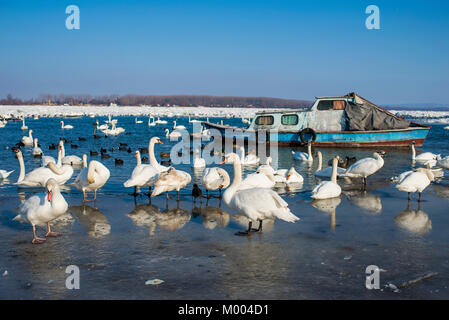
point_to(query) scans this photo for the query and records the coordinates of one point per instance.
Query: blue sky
(288, 49)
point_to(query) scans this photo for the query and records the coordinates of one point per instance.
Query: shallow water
(120, 244)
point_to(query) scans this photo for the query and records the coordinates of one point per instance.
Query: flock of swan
(252, 196)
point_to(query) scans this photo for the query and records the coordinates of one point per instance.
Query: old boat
(345, 121)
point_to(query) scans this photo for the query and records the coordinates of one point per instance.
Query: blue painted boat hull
(347, 139)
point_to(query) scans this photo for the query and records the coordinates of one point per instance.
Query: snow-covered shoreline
(200, 112)
(72, 111)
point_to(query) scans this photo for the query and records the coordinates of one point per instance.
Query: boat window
(289, 119)
(331, 105)
(264, 120)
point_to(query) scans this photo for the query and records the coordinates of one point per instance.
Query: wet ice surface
(119, 245)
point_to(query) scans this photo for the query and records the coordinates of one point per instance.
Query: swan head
(31, 131)
(18, 153)
(379, 154)
(157, 139)
(231, 158)
(50, 186)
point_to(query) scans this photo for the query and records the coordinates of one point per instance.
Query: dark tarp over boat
(362, 115)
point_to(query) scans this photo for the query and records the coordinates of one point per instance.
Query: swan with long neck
(151, 124)
(28, 140)
(92, 178)
(69, 160)
(153, 162)
(178, 127)
(257, 204)
(328, 189)
(142, 175)
(172, 135)
(365, 167)
(67, 126)
(302, 156)
(415, 181)
(24, 126)
(250, 159)
(40, 210)
(37, 152)
(39, 176)
(327, 172)
(423, 157)
(197, 161)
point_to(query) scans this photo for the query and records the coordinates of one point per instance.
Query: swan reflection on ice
(147, 215)
(365, 200)
(415, 221)
(92, 219)
(328, 206)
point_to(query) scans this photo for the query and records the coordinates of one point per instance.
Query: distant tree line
(153, 100)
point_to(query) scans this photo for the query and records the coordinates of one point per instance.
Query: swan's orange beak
(220, 186)
(160, 142)
(223, 162)
(49, 195)
(288, 177)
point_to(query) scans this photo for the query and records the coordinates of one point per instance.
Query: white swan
(102, 127)
(67, 126)
(153, 161)
(24, 126)
(178, 127)
(138, 121)
(215, 178)
(151, 124)
(327, 172)
(328, 189)
(172, 135)
(294, 177)
(197, 161)
(159, 121)
(69, 160)
(267, 166)
(443, 162)
(37, 152)
(258, 180)
(5, 174)
(415, 181)
(257, 203)
(92, 178)
(194, 120)
(250, 159)
(39, 176)
(280, 175)
(41, 209)
(114, 131)
(171, 180)
(28, 140)
(143, 175)
(423, 157)
(364, 167)
(302, 156)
